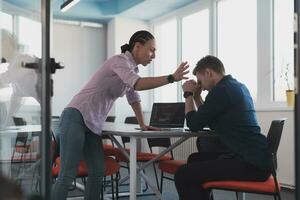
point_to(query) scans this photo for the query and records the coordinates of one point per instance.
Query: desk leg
(5, 155)
(133, 166)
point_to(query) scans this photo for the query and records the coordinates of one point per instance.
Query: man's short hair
(210, 62)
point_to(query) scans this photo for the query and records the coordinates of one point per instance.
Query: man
(228, 110)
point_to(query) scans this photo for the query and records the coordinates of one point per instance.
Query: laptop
(168, 116)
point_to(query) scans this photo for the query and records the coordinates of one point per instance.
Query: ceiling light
(68, 4)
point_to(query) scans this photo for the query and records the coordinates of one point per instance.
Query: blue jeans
(77, 142)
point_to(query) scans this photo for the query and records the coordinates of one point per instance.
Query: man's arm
(189, 104)
(189, 87)
(198, 99)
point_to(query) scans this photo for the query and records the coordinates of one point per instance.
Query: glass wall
(20, 129)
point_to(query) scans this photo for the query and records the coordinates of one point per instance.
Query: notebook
(169, 116)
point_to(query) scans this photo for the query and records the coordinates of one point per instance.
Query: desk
(115, 129)
(6, 136)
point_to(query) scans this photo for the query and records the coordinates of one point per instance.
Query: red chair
(110, 149)
(111, 168)
(268, 187)
(169, 167)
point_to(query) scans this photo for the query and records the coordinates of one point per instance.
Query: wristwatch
(187, 94)
(170, 78)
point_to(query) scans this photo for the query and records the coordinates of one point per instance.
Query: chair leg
(112, 187)
(237, 195)
(117, 186)
(144, 190)
(102, 191)
(211, 195)
(161, 181)
(156, 178)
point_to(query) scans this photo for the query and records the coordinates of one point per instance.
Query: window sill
(281, 108)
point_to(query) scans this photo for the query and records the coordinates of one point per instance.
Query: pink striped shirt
(114, 79)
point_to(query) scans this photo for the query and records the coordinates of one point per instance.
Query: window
(166, 59)
(30, 36)
(283, 48)
(254, 40)
(6, 21)
(237, 40)
(195, 39)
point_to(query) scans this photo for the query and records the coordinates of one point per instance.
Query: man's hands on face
(198, 89)
(190, 86)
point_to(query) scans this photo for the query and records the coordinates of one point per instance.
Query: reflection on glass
(195, 39)
(20, 43)
(16, 82)
(283, 48)
(6, 21)
(166, 59)
(30, 36)
(237, 40)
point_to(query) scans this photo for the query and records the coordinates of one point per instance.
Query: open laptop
(168, 116)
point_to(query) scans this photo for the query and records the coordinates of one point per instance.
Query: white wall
(119, 31)
(82, 50)
(286, 151)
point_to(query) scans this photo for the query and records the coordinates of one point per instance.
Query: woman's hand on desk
(150, 128)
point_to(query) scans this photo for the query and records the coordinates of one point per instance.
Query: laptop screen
(167, 115)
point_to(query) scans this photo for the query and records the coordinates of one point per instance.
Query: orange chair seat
(143, 156)
(170, 166)
(111, 167)
(267, 186)
(110, 150)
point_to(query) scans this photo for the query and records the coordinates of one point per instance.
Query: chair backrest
(128, 120)
(19, 121)
(22, 136)
(152, 142)
(131, 120)
(55, 139)
(110, 119)
(273, 138)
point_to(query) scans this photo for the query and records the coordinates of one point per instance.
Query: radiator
(185, 149)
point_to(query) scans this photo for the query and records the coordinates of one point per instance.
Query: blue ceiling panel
(104, 10)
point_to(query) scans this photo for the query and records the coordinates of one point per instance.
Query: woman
(83, 119)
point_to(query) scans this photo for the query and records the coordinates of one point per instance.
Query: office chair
(112, 168)
(268, 187)
(22, 154)
(22, 144)
(145, 156)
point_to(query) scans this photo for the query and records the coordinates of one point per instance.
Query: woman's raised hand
(181, 71)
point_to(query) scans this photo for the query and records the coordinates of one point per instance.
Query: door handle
(53, 65)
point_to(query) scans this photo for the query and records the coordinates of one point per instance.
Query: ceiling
(102, 11)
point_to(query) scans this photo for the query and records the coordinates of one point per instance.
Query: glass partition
(20, 95)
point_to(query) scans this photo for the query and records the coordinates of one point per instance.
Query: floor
(170, 193)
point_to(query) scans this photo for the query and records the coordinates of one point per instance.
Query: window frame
(265, 44)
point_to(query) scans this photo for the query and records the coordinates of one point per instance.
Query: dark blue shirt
(228, 109)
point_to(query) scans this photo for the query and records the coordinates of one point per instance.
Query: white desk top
(129, 130)
(21, 129)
